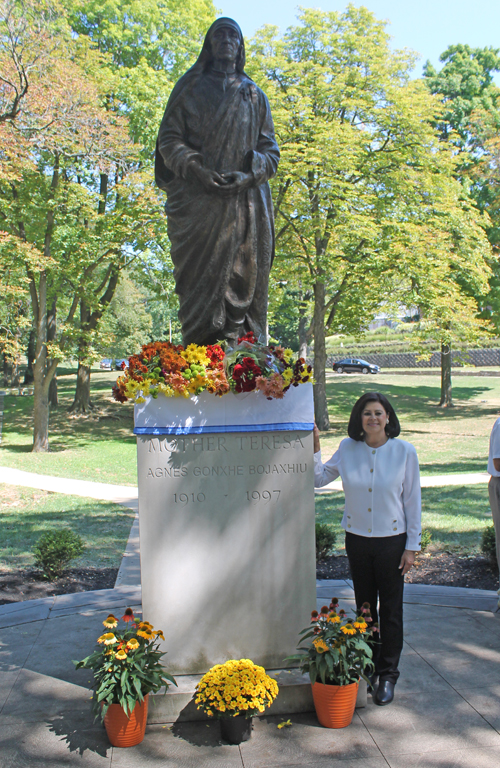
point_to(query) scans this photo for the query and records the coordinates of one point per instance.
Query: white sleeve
(495, 442)
(412, 504)
(326, 473)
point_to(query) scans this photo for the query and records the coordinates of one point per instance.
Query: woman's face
(374, 419)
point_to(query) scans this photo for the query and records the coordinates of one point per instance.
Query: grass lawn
(26, 513)
(455, 516)
(447, 440)
(100, 447)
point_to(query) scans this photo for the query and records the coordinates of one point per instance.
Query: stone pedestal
(227, 526)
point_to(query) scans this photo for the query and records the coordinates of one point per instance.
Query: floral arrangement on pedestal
(127, 667)
(238, 687)
(162, 367)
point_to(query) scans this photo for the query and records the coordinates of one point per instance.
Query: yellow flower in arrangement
(334, 619)
(133, 644)
(288, 375)
(107, 639)
(238, 686)
(348, 629)
(110, 622)
(159, 633)
(146, 625)
(145, 634)
(320, 645)
(195, 354)
(360, 625)
(121, 654)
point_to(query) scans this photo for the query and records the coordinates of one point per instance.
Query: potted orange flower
(127, 668)
(337, 655)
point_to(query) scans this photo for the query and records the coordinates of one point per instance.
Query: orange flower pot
(335, 704)
(126, 731)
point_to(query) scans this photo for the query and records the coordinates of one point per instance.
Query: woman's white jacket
(381, 486)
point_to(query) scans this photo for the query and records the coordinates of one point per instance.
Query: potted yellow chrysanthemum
(338, 655)
(234, 692)
(127, 668)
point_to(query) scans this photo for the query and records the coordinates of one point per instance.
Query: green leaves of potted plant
(127, 668)
(337, 655)
(233, 692)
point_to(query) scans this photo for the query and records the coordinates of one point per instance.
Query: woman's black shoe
(385, 692)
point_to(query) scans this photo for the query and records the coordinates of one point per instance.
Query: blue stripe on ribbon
(283, 427)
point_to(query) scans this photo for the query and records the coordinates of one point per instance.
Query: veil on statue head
(206, 57)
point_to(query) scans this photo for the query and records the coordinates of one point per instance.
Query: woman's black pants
(374, 564)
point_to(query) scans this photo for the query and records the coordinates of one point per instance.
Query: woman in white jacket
(382, 520)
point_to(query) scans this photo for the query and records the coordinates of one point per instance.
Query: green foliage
(425, 539)
(127, 666)
(325, 541)
(488, 544)
(368, 211)
(54, 551)
(339, 651)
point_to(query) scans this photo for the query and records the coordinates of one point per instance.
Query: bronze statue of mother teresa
(215, 153)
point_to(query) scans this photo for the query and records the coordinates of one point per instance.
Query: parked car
(121, 364)
(355, 365)
(106, 365)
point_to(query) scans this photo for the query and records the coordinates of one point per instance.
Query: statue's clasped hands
(225, 184)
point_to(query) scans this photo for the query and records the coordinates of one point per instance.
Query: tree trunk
(51, 335)
(446, 398)
(30, 354)
(11, 375)
(40, 412)
(303, 336)
(320, 404)
(82, 403)
(53, 396)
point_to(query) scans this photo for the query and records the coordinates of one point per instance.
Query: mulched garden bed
(29, 584)
(440, 568)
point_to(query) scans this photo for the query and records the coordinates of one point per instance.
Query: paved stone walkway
(446, 713)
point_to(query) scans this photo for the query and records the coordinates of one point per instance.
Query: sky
(425, 26)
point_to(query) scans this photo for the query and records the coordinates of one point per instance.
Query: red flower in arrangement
(249, 337)
(118, 394)
(215, 354)
(128, 615)
(244, 374)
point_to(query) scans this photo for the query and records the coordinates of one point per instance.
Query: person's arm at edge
(323, 473)
(412, 506)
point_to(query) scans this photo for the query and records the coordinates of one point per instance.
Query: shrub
(425, 539)
(488, 544)
(325, 541)
(54, 550)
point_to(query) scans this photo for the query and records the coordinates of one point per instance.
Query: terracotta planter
(334, 704)
(236, 729)
(126, 731)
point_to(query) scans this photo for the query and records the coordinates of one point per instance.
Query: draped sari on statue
(222, 247)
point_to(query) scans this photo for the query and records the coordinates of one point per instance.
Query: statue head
(213, 44)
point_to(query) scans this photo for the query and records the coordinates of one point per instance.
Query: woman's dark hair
(355, 430)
